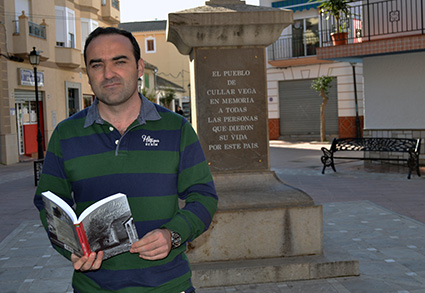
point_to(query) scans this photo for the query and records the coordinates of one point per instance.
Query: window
(72, 101)
(71, 41)
(87, 26)
(87, 100)
(65, 26)
(150, 45)
(146, 79)
(74, 97)
(21, 5)
(305, 37)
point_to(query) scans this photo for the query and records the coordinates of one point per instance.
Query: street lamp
(190, 103)
(34, 59)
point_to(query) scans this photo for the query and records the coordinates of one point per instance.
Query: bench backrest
(376, 144)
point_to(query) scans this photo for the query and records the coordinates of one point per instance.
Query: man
(124, 143)
(179, 110)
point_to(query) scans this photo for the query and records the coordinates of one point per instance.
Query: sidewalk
(375, 214)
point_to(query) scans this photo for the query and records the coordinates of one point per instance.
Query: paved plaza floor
(374, 214)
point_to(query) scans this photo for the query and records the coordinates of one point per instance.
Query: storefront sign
(26, 77)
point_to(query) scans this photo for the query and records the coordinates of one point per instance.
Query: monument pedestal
(259, 217)
(273, 270)
(264, 231)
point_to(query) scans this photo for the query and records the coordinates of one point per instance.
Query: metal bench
(390, 145)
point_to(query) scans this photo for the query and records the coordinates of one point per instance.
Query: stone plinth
(264, 232)
(259, 217)
(273, 270)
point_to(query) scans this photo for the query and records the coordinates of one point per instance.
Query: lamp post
(34, 59)
(190, 104)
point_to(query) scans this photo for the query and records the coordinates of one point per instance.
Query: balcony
(375, 27)
(111, 11)
(93, 4)
(68, 57)
(28, 35)
(294, 50)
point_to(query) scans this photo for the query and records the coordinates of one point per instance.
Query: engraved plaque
(231, 108)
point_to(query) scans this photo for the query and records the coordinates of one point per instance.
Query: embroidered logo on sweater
(149, 141)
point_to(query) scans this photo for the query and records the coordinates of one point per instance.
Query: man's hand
(90, 263)
(154, 245)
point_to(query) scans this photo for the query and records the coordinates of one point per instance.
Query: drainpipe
(358, 133)
(422, 16)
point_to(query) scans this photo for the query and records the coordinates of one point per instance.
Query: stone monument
(261, 222)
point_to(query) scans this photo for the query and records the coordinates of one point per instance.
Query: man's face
(112, 69)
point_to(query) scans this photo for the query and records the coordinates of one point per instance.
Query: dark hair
(110, 31)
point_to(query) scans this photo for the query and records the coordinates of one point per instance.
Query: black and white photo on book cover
(111, 228)
(108, 225)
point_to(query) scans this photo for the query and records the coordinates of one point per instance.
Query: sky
(143, 10)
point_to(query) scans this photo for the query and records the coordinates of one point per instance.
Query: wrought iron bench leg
(413, 164)
(327, 160)
(333, 166)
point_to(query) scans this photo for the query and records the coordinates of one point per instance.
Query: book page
(110, 226)
(62, 204)
(99, 203)
(61, 227)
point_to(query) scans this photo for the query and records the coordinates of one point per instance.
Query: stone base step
(271, 270)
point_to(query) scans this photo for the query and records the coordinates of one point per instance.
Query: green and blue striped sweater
(157, 161)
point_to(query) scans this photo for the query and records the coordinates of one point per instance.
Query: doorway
(26, 121)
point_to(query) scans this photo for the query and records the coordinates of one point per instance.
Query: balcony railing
(116, 4)
(373, 20)
(294, 47)
(368, 21)
(37, 30)
(28, 35)
(111, 11)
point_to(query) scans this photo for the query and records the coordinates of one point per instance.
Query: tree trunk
(322, 116)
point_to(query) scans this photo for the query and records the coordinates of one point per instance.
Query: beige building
(172, 67)
(57, 29)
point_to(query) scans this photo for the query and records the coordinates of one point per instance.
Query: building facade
(172, 67)
(391, 47)
(57, 30)
(294, 108)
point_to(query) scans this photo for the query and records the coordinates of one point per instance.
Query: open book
(106, 225)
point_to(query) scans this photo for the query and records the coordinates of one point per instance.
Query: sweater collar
(148, 112)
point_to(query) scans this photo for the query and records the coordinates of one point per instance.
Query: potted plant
(338, 9)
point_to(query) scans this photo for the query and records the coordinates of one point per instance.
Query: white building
(294, 108)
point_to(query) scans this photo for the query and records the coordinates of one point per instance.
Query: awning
(295, 5)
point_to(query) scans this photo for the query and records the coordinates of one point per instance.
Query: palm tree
(322, 85)
(151, 96)
(168, 97)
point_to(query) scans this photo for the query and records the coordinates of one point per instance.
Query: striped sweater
(155, 162)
